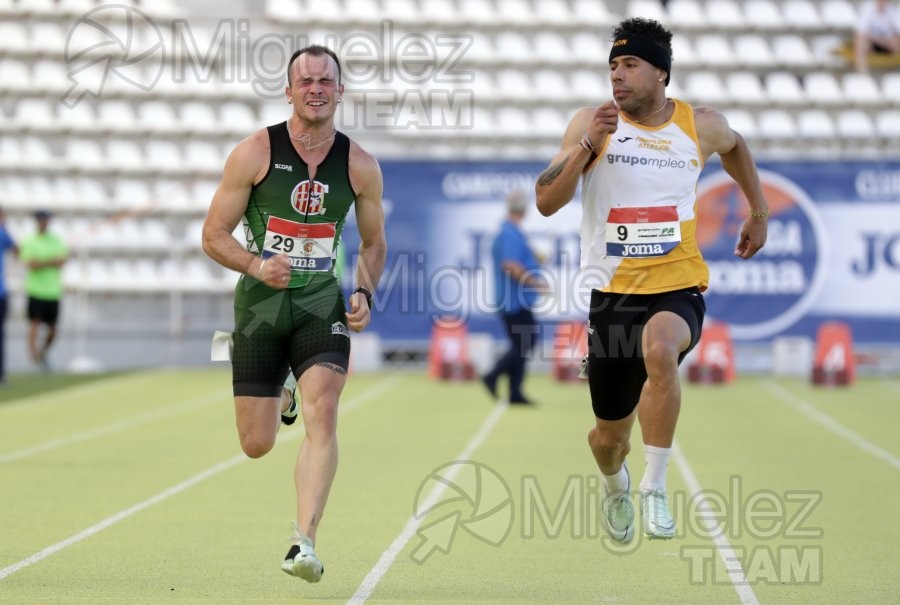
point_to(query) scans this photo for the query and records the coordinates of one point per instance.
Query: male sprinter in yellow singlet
(293, 184)
(640, 156)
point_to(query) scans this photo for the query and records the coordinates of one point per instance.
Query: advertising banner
(833, 249)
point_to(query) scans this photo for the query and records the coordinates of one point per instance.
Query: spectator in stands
(516, 287)
(43, 255)
(6, 243)
(878, 32)
(293, 184)
(638, 157)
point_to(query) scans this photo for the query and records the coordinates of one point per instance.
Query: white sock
(657, 459)
(616, 484)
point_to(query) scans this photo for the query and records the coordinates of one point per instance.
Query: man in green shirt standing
(43, 255)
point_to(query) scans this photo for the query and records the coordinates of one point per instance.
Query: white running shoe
(618, 514)
(289, 416)
(290, 385)
(658, 522)
(301, 560)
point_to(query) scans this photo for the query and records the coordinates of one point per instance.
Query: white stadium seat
(793, 51)
(158, 117)
(725, 14)
(34, 114)
(164, 156)
(763, 15)
(199, 117)
(816, 124)
(436, 12)
(861, 89)
(401, 12)
(648, 9)
(753, 50)
(239, 117)
(888, 125)
(855, 123)
(553, 12)
(839, 14)
(36, 153)
(550, 85)
(801, 14)
(14, 75)
(714, 50)
(705, 87)
(745, 88)
(478, 13)
(593, 13)
(822, 88)
(124, 155)
(890, 87)
(683, 54)
(84, 154)
(363, 12)
(783, 88)
(13, 35)
(282, 10)
(688, 14)
(590, 46)
(777, 124)
(514, 85)
(512, 47)
(203, 156)
(514, 13)
(116, 116)
(551, 48)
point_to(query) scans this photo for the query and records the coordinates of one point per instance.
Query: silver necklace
(304, 139)
(641, 121)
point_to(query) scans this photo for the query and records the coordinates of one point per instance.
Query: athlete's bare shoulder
(713, 131)
(249, 160)
(363, 167)
(361, 161)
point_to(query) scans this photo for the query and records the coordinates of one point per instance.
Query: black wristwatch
(367, 294)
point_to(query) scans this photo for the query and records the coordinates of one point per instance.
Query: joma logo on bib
(309, 198)
(642, 250)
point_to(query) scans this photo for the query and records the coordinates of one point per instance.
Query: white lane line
(115, 427)
(374, 391)
(830, 423)
(365, 589)
(727, 554)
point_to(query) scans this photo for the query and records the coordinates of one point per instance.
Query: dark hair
(646, 28)
(316, 50)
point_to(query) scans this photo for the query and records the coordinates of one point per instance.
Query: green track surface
(806, 481)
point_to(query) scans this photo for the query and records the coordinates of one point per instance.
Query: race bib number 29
(642, 232)
(309, 245)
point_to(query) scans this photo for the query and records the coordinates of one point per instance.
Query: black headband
(643, 48)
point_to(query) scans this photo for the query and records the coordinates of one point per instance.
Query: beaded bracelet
(762, 214)
(585, 142)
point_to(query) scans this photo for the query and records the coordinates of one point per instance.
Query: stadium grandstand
(117, 117)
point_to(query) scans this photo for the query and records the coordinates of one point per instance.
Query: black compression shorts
(616, 372)
(277, 330)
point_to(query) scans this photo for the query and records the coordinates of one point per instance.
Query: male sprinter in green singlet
(292, 184)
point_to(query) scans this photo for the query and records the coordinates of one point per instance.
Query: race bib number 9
(642, 232)
(309, 245)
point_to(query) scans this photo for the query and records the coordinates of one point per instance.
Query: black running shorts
(43, 311)
(616, 372)
(277, 330)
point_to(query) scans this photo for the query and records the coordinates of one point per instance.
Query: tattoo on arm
(336, 369)
(551, 174)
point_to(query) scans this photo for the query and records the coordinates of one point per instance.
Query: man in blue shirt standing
(6, 243)
(516, 289)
